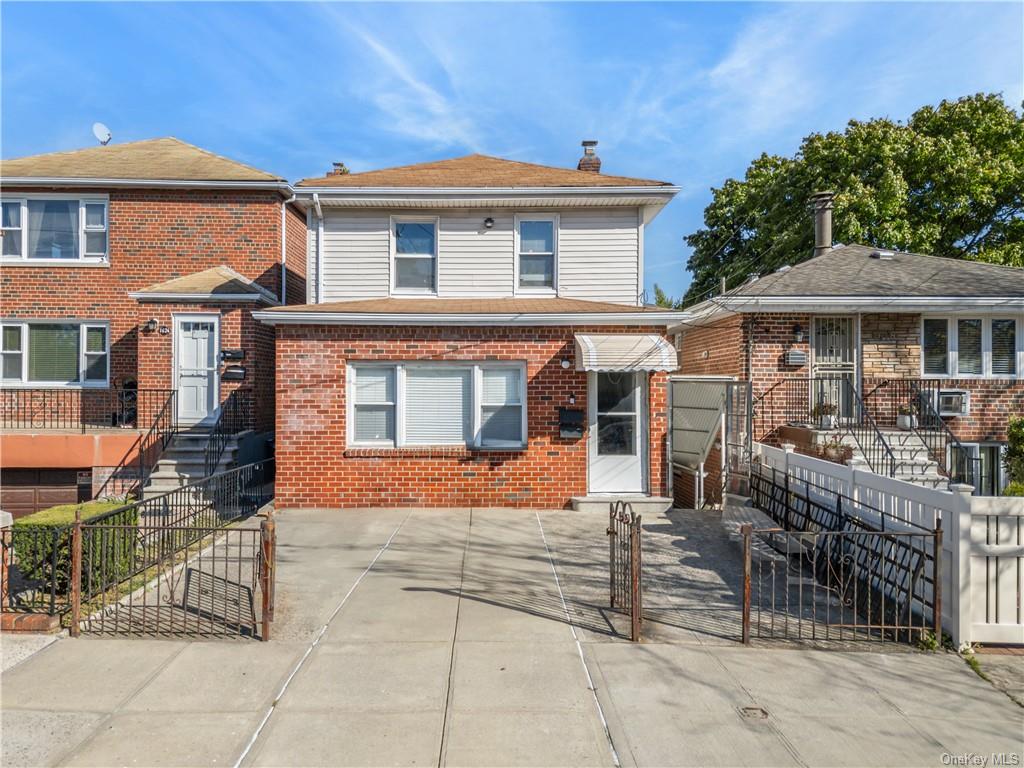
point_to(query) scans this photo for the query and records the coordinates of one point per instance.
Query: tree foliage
(948, 182)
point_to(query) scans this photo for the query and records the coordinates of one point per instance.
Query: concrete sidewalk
(455, 648)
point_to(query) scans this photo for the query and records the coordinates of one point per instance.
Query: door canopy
(624, 352)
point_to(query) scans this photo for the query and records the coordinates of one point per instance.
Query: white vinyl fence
(983, 540)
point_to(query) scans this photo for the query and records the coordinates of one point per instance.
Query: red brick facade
(316, 467)
(754, 348)
(156, 235)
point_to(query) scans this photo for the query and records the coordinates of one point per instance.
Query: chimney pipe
(590, 161)
(821, 205)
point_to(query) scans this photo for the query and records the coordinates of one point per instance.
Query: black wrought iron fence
(836, 568)
(236, 414)
(132, 473)
(625, 564)
(108, 569)
(80, 409)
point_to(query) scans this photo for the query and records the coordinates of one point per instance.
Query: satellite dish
(102, 133)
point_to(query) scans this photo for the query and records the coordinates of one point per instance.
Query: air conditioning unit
(953, 402)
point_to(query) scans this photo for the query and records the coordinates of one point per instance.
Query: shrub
(42, 545)
(1014, 457)
(1015, 488)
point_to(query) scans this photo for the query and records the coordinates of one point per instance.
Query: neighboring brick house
(856, 335)
(475, 335)
(126, 270)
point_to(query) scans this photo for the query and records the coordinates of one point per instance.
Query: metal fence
(169, 564)
(625, 564)
(836, 568)
(80, 409)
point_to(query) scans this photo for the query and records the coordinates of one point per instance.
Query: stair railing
(869, 438)
(235, 415)
(943, 446)
(145, 451)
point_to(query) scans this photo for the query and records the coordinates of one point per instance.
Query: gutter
(60, 181)
(205, 298)
(284, 266)
(485, 191)
(319, 248)
(489, 318)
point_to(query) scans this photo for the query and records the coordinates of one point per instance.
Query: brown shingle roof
(168, 158)
(468, 307)
(209, 282)
(477, 171)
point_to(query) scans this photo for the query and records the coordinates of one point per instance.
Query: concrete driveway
(444, 637)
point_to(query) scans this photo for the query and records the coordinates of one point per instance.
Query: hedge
(107, 554)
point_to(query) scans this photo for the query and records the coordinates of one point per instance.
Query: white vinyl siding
(972, 346)
(355, 257)
(480, 405)
(598, 255)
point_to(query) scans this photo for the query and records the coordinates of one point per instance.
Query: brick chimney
(821, 205)
(590, 161)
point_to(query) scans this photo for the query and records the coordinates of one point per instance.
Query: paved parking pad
(443, 637)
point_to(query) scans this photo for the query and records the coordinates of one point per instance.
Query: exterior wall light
(150, 325)
(798, 333)
(566, 363)
(488, 223)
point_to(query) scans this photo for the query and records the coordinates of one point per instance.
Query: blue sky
(686, 92)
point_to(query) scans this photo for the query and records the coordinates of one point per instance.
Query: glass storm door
(618, 432)
(196, 344)
(835, 361)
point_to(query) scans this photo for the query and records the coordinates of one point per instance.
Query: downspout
(284, 267)
(319, 248)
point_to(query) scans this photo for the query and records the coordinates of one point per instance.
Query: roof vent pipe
(821, 205)
(590, 161)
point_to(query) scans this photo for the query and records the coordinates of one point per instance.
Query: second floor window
(536, 257)
(57, 229)
(415, 264)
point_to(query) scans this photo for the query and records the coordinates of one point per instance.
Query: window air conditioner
(953, 402)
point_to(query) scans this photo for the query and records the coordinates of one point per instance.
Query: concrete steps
(642, 505)
(913, 463)
(184, 462)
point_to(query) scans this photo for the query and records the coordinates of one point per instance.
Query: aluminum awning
(624, 352)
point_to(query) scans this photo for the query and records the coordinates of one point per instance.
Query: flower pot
(906, 421)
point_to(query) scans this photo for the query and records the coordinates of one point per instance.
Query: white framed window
(536, 244)
(414, 254)
(972, 346)
(55, 353)
(479, 405)
(54, 229)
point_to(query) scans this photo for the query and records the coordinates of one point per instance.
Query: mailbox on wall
(232, 354)
(233, 373)
(570, 422)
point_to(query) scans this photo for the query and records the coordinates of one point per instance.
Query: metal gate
(625, 564)
(738, 436)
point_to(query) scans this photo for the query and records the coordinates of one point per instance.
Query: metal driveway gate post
(625, 564)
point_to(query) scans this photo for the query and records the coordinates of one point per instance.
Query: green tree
(662, 299)
(949, 182)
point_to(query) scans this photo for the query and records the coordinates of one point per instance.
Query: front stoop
(28, 622)
(184, 461)
(642, 505)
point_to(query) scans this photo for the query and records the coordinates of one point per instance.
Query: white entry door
(196, 341)
(618, 431)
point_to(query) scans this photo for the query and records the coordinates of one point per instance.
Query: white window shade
(501, 409)
(437, 406)
(374, 405)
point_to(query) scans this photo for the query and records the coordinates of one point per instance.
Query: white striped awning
(624, 352)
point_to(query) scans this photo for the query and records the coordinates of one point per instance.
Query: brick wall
(890, 345)
(157, 235)
(295, 256)
(715, 349)
(315, 467)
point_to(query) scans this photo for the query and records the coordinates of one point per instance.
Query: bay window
(971, 346)
(536, 238)
(414, 255)
(480, 405)
(55, 353)
(52, 228)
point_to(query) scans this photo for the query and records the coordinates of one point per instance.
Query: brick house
(474, 334)
(915, 362)
(127, 270)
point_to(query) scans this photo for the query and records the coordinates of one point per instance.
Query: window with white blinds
(55, 353)
(971, 346)
(414, 404)
(437, 406)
